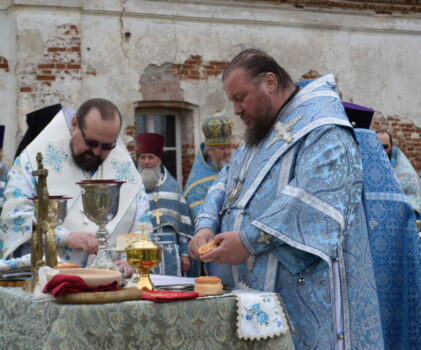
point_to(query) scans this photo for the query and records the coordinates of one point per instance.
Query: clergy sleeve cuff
(61, 234)
(183, 248)
(205, 222)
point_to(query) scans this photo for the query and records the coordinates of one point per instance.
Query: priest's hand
(200, 238)
(229, 250)
(124, 267)
(185, 263)
(83, 241)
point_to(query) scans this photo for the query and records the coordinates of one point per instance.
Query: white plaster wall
(34, 29)
(8, 107)
(374, 57)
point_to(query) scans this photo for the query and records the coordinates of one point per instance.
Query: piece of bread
(208, 285)
(66, 266)
(206, 248)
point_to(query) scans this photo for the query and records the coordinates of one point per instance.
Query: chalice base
(145, 283)
(103, 261)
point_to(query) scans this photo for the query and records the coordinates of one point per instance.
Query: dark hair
(255, 63)
(385, 131)
(106, 109)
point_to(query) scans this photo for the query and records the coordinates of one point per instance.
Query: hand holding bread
(226, 248)
(200, 238)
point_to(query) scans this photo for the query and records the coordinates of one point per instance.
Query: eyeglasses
(385, 146)
(94, 144)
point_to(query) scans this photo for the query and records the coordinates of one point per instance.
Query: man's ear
(270, 82)
(73, 124)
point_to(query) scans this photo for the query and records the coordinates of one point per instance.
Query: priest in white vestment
(74, 148)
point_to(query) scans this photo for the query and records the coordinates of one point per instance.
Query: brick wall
(130, 131)
(4, 64)
(43, 83)
(187, 149)
(405, 135)
(194, 69)
(163, 83)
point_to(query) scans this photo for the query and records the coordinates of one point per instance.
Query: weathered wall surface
(131, 51)
(8, 110)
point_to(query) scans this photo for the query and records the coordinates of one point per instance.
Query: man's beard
(150, 177)
(87, 160)
(261, 123)
(219, 164)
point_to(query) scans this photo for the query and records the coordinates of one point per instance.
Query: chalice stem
(103, 259)
(101, 236)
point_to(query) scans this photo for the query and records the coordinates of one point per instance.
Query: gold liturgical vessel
(50, 211)
(143, 256)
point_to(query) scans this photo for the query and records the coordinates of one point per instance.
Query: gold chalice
(143, 256)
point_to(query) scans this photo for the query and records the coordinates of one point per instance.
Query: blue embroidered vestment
(201, 177)
(300, 215)
(175, 229)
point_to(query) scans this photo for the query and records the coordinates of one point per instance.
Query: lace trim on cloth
(259, 315)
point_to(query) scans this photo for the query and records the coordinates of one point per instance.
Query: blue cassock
(174, 229)
(394, 246)
(301, 216)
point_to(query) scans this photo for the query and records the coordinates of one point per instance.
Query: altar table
(199, 324)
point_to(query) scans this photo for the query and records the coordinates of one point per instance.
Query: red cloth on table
(62, 284)
(160, 296)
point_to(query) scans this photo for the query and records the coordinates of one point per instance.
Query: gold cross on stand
(157, 214)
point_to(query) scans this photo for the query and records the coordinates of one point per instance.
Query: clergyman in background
(169, 213)
(212, 156)
(405, 172)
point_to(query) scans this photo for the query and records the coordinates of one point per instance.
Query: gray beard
(151, 178)
(218, 165)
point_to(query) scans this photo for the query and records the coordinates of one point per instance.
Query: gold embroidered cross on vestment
(156, 213)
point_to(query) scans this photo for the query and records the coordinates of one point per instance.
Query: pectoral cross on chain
(157, 214)
(283, 131)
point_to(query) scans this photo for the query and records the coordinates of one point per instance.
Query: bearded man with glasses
(75, 147)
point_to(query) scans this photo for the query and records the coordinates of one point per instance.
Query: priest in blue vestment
(393, 238)
(168, 212)
(212, 156)
(287, 213)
